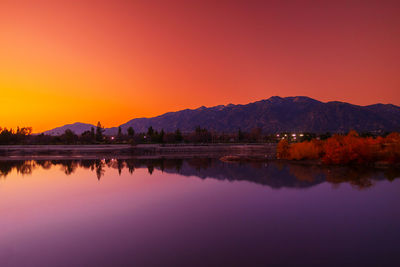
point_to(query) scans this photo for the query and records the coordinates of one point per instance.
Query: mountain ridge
(77, 127)
(275, 114)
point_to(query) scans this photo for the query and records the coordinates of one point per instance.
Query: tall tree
(150, 131)
(178, 136)
(92, 134)
(69, 137)
(99, 132)
(119, 135)
(131, 132)
(161, 136)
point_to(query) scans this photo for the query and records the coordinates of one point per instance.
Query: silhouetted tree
(119, 135)
(150, 131)
(99, 132)
(69, 137)
(131, 132)
(200, 135)
(161, 136)
(92, 134)
(88, 137)
(178, 136)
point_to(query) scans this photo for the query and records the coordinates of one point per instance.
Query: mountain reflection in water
(274, 174)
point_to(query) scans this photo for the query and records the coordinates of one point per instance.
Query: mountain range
(272, 115)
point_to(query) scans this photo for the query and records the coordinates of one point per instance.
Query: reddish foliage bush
(391, 148)
(283, 149)
(347, 149)
(305, 150)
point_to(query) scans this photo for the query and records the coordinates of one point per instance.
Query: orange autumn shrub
(333, 150)
(391, 148)
(282, 150)
(348, 149)
(393, 138)
(305, 150)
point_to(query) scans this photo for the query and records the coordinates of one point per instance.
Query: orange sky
(67, 61)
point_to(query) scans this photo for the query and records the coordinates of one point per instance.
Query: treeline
(198, 135)
(344, 149)
(24, 136)
(96, 135)
(11, 136)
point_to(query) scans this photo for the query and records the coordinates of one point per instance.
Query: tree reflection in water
(275, 174)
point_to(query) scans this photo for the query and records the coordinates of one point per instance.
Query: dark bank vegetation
(344, 149)
(24, 136)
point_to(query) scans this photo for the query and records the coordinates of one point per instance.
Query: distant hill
(76, 127)
(276, 114)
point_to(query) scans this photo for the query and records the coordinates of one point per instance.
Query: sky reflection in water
(196, 212)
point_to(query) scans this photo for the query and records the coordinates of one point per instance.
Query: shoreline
(229, 153)
(265, 151)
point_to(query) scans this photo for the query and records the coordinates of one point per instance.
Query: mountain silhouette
(76, 127)
(276, 114)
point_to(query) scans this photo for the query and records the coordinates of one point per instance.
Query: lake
(196, 212)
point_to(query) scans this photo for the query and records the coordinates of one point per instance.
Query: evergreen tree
(150, 131)
(92, 135)
(99, 132)
(69, 137)
(178, 136)
(131, 132)
(119, 135)
(161, 136)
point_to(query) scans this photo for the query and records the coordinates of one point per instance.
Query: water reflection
(273, 174)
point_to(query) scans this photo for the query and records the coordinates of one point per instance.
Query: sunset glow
(111, 61)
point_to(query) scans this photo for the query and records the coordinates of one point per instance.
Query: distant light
(293, 134)
(277, 135)
(301, 134)
(112, 138)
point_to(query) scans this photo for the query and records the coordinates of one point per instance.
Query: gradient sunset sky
(64, 61)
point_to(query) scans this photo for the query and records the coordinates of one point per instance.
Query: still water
(197, 212)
